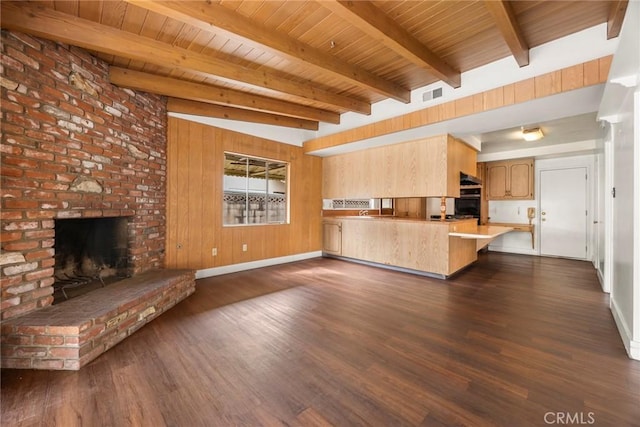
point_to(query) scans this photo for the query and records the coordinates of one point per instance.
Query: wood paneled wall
(195, 162)
(411, 207)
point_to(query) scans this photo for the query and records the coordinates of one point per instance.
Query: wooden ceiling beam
(372, 21)
(215, 95)
(210, 17)
(50, 24)
(615, 18)
(184, 106)
(508, 26)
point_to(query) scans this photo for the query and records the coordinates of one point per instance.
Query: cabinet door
(428, 167)
(521, 181)
(332, 237)
(509, 180)
(496, 185)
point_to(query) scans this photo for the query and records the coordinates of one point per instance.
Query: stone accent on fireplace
(85, 185)
(73, 146)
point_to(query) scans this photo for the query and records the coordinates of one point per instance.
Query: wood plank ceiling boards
(301, 63)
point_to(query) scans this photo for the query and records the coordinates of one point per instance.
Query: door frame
(607, 276)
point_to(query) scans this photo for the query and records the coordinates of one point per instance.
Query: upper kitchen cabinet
(509, 180)
(428, 167)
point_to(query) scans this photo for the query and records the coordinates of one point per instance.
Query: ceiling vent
(432, 94)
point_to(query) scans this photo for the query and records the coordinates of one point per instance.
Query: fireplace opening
(90, 253)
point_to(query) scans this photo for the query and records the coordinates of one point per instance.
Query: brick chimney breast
(72, 145)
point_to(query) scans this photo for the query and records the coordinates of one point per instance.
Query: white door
(563, 212)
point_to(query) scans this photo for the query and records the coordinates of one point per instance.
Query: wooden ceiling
(297, 63)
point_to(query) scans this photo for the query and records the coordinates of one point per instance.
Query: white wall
(621, 107)
(625, 283)
(433, 206)
(623, 230)
(515, 211)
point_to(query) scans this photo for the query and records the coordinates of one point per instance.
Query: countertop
(402, 218)
(471, 232)
(483, 232)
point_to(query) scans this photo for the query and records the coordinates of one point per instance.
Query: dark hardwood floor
(512, 341)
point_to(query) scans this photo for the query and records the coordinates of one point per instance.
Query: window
(255, 191)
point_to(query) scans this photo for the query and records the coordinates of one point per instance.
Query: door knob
(543, 219)
(179, 246)
(543, 213)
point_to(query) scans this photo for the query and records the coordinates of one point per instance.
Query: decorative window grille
(351, 204)
(235, 205)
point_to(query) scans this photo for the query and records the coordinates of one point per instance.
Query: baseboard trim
(632, 347)
(234, 268)
(510, 250)
(388, 267)
(601, 280)
(634, 350)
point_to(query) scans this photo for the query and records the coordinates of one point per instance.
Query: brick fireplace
(73, 146)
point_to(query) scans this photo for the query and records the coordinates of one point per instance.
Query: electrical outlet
(214, 252)
(244, 247)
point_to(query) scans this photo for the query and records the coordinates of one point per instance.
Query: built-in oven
(468, 205)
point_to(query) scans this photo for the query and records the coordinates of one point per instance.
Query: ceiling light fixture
(532, 134)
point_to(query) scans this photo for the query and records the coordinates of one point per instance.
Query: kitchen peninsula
(430, 247)
(428, 167)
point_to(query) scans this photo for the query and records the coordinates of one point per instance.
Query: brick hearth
(70, 335)
(76, 146)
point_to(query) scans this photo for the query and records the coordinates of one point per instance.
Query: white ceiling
(582, 127)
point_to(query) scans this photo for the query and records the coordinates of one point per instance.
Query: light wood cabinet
(418, 245)
(510, 180)
(428, 167)
(414, 244)
(332, 237)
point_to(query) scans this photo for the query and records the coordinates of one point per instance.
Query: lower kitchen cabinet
(414, 244)
(332, 237)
